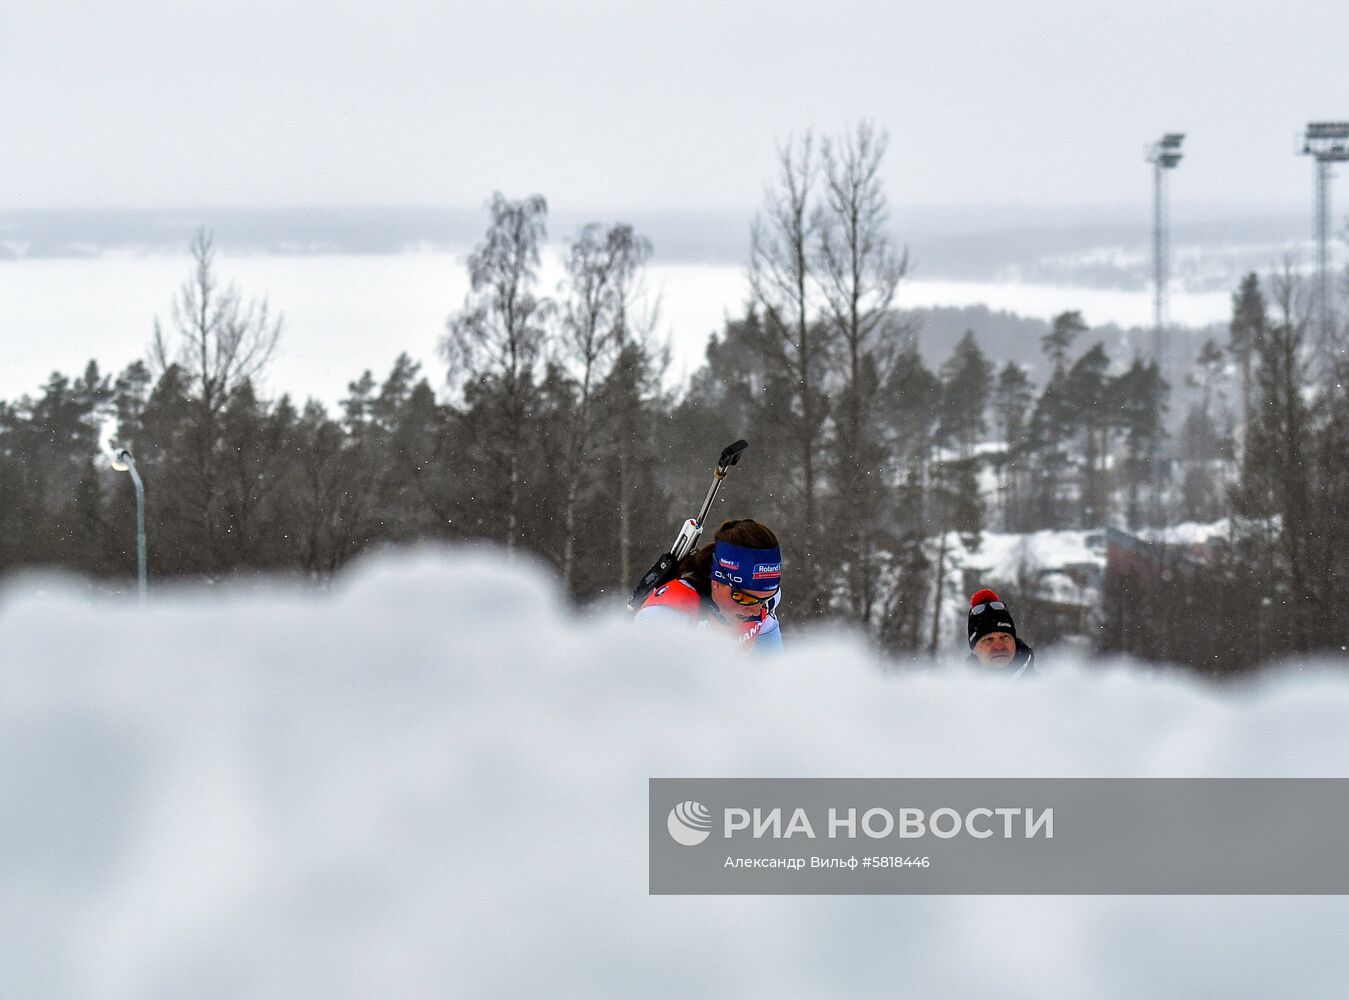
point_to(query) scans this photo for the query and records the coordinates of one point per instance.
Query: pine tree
(1136, 400)
(1012, 396)
(50, 441)
(335, 494)
(1064, 329)
(967, 379)
(1084, 401)
(1246, 334)
(1203, 444)
(1046, 454)
(251, 471)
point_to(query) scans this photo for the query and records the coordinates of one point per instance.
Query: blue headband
(747, 569)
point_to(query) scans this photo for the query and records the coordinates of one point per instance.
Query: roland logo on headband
(753, 569)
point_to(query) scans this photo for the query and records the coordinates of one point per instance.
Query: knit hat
(989, 614)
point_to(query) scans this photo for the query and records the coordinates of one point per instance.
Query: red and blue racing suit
(681, 601)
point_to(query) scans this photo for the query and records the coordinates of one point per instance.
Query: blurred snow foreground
(432, 783)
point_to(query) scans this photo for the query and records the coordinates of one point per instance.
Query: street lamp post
(124, 462)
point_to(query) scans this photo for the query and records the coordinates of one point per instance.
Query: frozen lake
(348, 312)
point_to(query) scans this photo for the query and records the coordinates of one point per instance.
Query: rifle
(663, 570)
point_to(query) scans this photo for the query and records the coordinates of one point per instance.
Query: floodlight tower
(1163, 154)
(1327, 142)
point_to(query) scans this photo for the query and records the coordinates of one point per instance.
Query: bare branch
(221, 340)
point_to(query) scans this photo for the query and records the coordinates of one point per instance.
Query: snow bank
(1003, 556)
(433, 784)
(1190, 532)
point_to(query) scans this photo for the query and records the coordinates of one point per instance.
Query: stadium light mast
(1163, 154)
(1327, 142)
(124, 462)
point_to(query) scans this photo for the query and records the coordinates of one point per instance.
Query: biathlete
(734, 583)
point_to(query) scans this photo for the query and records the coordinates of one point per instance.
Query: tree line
(553, 429)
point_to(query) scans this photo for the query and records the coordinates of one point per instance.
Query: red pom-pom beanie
(988, 614)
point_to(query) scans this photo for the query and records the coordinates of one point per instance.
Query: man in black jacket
(993, 641)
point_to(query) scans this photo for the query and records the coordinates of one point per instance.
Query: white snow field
(432, 783)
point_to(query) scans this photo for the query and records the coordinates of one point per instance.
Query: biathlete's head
(746, 569)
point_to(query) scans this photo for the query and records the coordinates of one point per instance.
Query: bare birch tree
(860, 271)
(220, 342)
(495, 342)
(635, 378)
(600, 270)
(784, 291)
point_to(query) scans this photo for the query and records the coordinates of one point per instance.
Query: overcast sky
(152, 103)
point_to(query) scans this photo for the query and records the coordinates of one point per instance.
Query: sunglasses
(978, 609)
(748, 600)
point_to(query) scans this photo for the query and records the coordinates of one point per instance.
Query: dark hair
(696, 567)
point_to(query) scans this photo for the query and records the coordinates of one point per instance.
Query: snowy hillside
(433, 784)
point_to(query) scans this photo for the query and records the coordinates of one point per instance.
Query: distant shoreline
(1106, 248)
